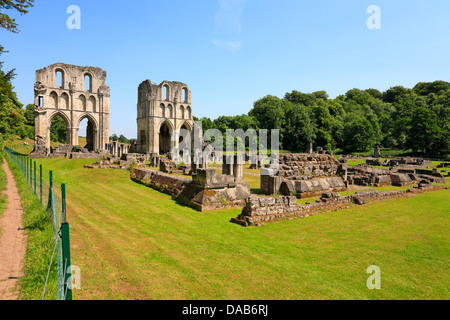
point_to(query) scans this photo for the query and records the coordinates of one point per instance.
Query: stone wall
(206, 191)
(303, 174)
(364, 175)
(162, 182)
(260, 210)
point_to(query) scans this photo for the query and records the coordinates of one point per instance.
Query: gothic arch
(92, 104)
(165, 132)
(91, 131)
(54, 100)
(52, 117)
(63, 77)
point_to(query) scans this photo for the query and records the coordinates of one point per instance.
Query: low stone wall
(162, 182)
(315, 187)
(318, 165)
(260, 210)
(76, 155)
(364, 175)
(198, 194)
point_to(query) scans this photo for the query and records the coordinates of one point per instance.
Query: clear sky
(233, 52)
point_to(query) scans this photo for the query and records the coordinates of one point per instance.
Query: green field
(132, 242)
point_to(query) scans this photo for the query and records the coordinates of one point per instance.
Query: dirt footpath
(12, 240)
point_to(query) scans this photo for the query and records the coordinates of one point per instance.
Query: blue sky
(233, 52)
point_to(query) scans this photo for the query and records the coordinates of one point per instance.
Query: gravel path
(12, 240)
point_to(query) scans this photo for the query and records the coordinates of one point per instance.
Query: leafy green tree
(269, 113)
(425, 132)
(437, 87)
(395, 94)
(11, 113)
(21, 6)
(375, 93)
(304, 98)
(58, 130)
(358, 134)
(300, 128)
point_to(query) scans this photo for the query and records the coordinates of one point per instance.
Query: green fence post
(40, 169)
(67, 266)
(50, 182)
(27, 169)
(35, 179)
(31, 174)
(63, 204)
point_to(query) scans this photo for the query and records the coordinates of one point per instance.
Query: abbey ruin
(162, 109)
(73, 93)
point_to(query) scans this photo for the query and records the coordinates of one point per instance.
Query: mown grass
(132, 242)
(40, 245)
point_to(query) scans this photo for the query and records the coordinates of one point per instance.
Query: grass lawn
(132, 242)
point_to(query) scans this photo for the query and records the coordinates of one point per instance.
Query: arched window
(64, 101)
(182, 112)
(92, 104)
(170, 111)
(189, 113)
(185, 95)
(60, 79)
(82, 105)
(53, 100)
(88, 82)
(166, 92)
(163, 110)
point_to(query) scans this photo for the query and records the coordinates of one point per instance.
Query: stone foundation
(260, 210)
(206, 191)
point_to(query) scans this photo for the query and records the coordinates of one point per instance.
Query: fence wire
(50, 201)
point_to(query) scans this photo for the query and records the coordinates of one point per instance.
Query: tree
(425, 135)
(425, 88)
(358, 134)
(395, 94)
(305, 98)
(21, 6)
(58, 130)
(269, 113)
(123, 139)
(300, 128)
(11, 113)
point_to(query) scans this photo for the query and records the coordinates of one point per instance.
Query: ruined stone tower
(161, 110)
(74, 93)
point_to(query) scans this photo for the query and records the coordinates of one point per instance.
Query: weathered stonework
(161, 110)
(303, 174)
(73, 102)
(260, 210)
(364, 175)
(206, 191)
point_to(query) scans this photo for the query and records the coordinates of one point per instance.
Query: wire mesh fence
(55, 205)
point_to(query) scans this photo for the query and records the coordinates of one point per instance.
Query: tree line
(416, 119)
